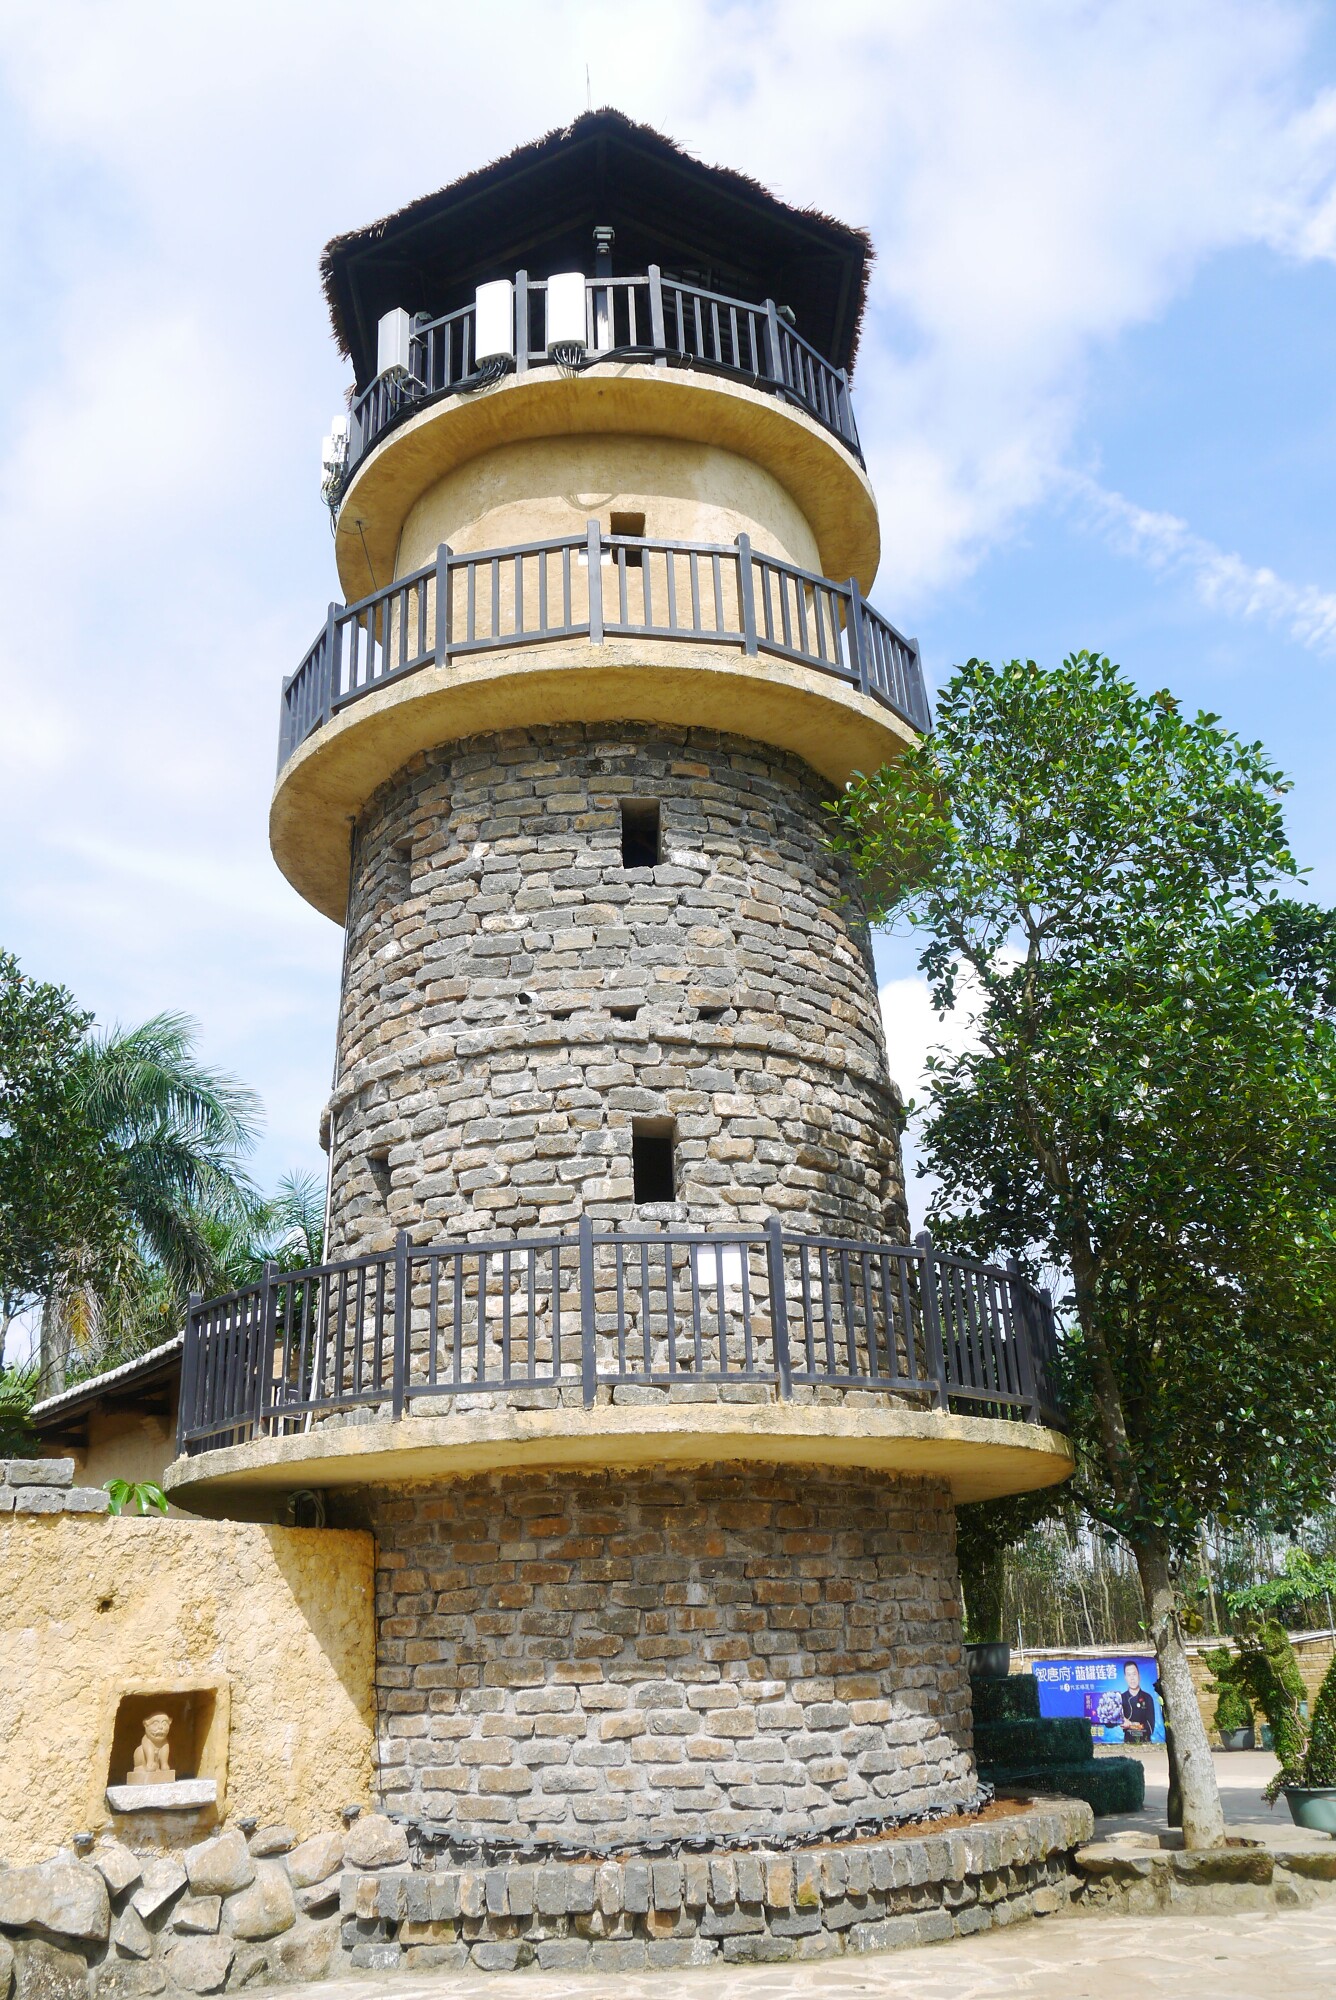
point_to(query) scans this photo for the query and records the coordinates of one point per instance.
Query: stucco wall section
(514, 997)
(554, 486)
(280, 1618)
(741, 1649)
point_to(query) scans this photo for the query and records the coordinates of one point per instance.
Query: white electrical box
(494, 322)
(393, 335)
(566, 324)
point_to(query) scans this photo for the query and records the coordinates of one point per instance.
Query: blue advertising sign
(1117, 1697)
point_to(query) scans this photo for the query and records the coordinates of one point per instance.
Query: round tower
(622, 1349)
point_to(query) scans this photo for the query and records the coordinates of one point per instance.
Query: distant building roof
(536, 210)
(121, 1385)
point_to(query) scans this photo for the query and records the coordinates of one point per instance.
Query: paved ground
(1242, 1776)
(1289, 1957)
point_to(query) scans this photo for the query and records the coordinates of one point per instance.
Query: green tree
(1148, 1102)
(54, 1183)
(170, 1135)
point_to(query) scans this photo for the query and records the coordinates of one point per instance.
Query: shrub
(1320, 1762)
(1228, 1683)
(1272, 1678)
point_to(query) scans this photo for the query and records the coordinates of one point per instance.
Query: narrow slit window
(379, 1163)
(641, 833)
(632, 525)
(653, 1162)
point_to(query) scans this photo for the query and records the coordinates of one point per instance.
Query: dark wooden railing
(416, 1328)
(652, 318)
(595, 586)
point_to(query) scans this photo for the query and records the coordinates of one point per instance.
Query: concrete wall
(275, 1622)
(670, 1650)
(553, 486)
(493, 927)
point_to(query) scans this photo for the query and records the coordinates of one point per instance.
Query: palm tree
(175, 1133)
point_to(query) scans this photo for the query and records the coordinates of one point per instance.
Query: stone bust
(152, 1761)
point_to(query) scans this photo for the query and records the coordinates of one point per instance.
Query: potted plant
(1310, 1788)
(1233, 1710)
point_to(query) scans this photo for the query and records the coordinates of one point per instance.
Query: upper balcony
(665, 322)
(607, 1346)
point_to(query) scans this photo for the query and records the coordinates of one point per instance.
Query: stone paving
(1252, 1957)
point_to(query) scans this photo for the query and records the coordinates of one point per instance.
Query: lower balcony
(616, 1347)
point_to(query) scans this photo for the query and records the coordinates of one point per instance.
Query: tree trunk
(1203, 1820)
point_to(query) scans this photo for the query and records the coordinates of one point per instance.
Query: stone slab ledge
(46, 1486)
(1281, 1868)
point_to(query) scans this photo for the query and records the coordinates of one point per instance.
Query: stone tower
(622, 1350)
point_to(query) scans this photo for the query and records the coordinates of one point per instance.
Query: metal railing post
(399, 1384)
(932, 1318)
(521, 322)
(855, 635)
(331, 645)
(263, 1357)
(657, 330)
(444, 604)
(775, 357)
(919, 696)
(779, 1305)
(747, 593)
(1022, 1317)
(588, 1311)
(187, 1416)
(595, 561)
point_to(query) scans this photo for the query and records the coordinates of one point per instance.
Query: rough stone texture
(278, 1618)
(375, 1842)
(722, 1650)
(267, 1840)
(201, 1964)
(37, 1471)
(197, 1915)
(118, 1867)
(131, 1935)
(164, 1877)
(220, 1866)
(66, 1898)
(265, 1908)
(6, 1967)
(45, 1971)
(315, 1859)
(492, 928)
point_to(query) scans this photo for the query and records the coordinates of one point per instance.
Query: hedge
(1062, 1739)
(1107, 1784)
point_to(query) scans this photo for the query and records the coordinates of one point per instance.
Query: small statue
(151, 1758)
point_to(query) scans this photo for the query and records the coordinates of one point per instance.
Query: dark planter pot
(1238, 1739)
(1313, 1806)
(988, 1661)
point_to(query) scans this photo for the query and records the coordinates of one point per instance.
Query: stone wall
(723, 1650)
(46, 1486)
(276, 1622)
(514, 997)
(237, 1911)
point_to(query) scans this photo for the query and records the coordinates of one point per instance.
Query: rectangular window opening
(378, 1163)
(653, 1165)
(632, 525)
(641, 833)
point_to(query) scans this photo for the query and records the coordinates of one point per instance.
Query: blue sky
(1095, 387)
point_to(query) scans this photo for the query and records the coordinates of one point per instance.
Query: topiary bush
(1270, 1673)
(1233, 1710)
(1320, 1761)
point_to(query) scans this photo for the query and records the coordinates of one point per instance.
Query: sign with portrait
(1118, 1697)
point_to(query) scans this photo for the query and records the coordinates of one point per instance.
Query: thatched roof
(536, 209)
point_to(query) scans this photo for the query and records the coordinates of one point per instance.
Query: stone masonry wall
(722, 1650)
(513, 996)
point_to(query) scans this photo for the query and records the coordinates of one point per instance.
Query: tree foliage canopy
(1148, 1103)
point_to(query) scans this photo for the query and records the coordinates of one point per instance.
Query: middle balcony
(581, 627)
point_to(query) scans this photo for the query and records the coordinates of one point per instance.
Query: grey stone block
(379, 1956)
(201, 1964)
(87, 1500)
(44, 1971)
(39, 1472)
(38, 1500)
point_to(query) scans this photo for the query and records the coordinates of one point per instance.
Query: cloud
(1222, 582)
(1038, 178)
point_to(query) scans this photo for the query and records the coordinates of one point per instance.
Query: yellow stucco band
(327, 782)
(274, 1625)
(825, 480)
(981, 1457)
